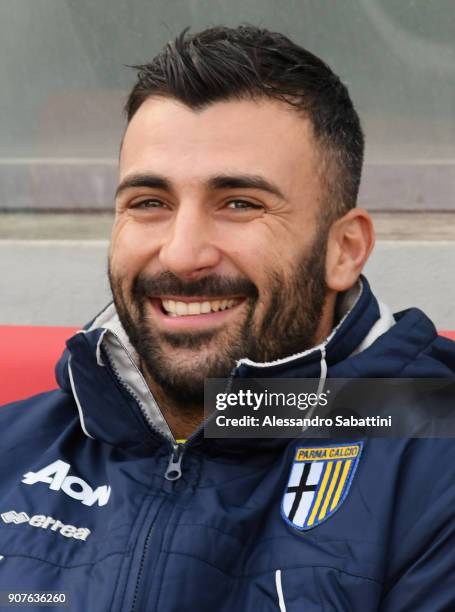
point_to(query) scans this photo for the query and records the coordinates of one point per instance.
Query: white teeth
(194, 308)
(181, 308)
(176, 308)
(168, 305)
(205, 307)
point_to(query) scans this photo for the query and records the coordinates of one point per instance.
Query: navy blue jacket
(86, 507)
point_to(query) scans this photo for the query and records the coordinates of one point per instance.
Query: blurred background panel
(64, 80)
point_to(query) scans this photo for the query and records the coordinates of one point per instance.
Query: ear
(351, 240)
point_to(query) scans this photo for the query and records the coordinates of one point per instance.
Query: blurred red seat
(28, 356)
(27, 359)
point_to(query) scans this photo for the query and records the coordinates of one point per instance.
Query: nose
(188, 249)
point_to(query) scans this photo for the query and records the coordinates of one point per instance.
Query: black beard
(288, 326)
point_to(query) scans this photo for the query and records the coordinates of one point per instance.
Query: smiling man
(222, 224)
(236, 252)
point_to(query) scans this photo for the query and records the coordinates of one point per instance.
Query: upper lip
(197, 298)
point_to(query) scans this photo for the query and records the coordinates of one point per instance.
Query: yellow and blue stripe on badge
(319, 482)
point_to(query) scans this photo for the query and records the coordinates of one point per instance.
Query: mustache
(167, 283)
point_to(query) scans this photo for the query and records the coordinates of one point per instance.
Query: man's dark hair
(223, 63)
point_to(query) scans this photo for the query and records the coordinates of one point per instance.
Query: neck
(182, 419)
(327, 321)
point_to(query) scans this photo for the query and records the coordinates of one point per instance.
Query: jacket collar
(100, 369)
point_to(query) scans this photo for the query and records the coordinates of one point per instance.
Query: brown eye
(243, 205)
(148, 204)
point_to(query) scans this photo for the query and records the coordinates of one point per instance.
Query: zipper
(145, 550)
(141, 566)
(174, 467)
(173, 472)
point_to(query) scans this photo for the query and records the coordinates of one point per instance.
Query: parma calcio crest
(319, 483)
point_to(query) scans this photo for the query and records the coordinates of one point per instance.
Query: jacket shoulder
(435, 359)
(39, 417)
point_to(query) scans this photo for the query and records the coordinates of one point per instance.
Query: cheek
(130, 250)
(263, 262)
(269, 279)
(268, 264)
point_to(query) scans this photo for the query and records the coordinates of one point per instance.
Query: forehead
(263, 136)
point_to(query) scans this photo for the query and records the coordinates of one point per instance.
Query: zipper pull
(174, 468)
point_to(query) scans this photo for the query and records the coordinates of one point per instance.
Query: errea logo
(56, 476)
(45, 522)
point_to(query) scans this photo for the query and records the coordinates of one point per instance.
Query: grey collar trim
(383, 324)
(125, 363)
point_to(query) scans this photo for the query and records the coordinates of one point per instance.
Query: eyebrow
(244, 181)
(153, 181)
(215, 183)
